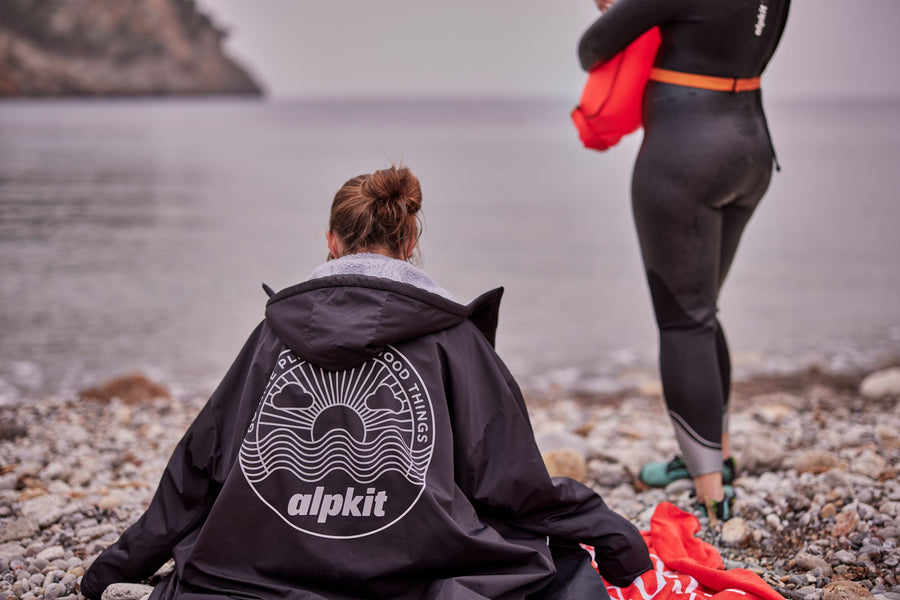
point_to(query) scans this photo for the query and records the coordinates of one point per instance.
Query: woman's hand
(604, 4)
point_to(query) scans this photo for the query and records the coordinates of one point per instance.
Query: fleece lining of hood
(379, 265)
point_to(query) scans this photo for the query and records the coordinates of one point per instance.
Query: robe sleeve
(499, 467)
(193, 476)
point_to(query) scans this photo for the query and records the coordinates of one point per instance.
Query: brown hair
(378, 211)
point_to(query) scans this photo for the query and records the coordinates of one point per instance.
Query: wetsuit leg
(735, 218)
(703, 166)
(724, 357)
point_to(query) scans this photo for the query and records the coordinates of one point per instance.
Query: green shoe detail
(729, 470)
(660, 473)
(721, 510)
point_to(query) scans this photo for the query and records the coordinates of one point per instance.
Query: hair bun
(377, 212)
(396, 184)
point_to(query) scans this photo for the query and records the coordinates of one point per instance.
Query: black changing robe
(366, 443)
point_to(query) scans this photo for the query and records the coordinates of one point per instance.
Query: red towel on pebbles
(686, 567)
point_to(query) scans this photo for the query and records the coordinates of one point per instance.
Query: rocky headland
(818, 493)
(114, 48)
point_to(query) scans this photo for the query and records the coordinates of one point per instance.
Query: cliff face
(113, 47)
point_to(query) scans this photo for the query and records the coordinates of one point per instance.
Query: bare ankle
(709, 487)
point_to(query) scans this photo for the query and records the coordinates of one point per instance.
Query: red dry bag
(610, 104)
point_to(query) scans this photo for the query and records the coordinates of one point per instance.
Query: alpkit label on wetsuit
(340, 454)
(761, 17)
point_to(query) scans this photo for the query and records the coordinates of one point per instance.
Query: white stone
(556, 438)
(53, 471)
(881, 384)
(44, 510)
(10, 550)
(126, 591)
(16, 529)
(809, 562)
(52, 553)
(735, 532)
(868, 463)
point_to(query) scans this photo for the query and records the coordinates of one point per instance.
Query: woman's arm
(192, 478)
(181, 502)
(500, 469)
(622, 23)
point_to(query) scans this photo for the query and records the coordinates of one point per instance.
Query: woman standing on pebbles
(704, 164)
(368, 442)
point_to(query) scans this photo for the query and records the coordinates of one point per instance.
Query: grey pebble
(54, 591)
(126, 591)
(11, 552)
(54, 576)
(17, 529)
(86, 523)
(60, 563)
(69, 581)
(52, 553)
(816, 565)
(845, 557)
(9, 481)
(43, 510)
(40, 563)
(871, 550)
(865, 495)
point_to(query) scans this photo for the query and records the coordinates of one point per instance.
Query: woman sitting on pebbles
(369, 443)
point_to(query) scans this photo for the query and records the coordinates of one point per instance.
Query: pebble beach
(818, 497)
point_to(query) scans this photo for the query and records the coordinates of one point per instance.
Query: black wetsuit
(704, 164)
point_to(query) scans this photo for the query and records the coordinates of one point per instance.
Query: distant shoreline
(614, 389)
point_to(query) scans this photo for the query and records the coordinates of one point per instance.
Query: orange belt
(706, 82)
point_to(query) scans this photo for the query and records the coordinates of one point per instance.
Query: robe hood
(341, 321)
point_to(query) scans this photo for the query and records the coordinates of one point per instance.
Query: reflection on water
(135, 234)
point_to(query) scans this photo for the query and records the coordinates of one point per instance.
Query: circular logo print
(341, 454)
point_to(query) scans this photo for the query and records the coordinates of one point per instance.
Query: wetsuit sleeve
(620, 25)
(500, 469)
(190, 483)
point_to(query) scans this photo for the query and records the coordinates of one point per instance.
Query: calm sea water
(134, 235)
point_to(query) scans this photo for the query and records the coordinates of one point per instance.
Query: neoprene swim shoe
(660, 473)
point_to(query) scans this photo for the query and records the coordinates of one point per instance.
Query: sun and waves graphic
(341, 453)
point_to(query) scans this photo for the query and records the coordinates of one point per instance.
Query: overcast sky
(403, 48)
